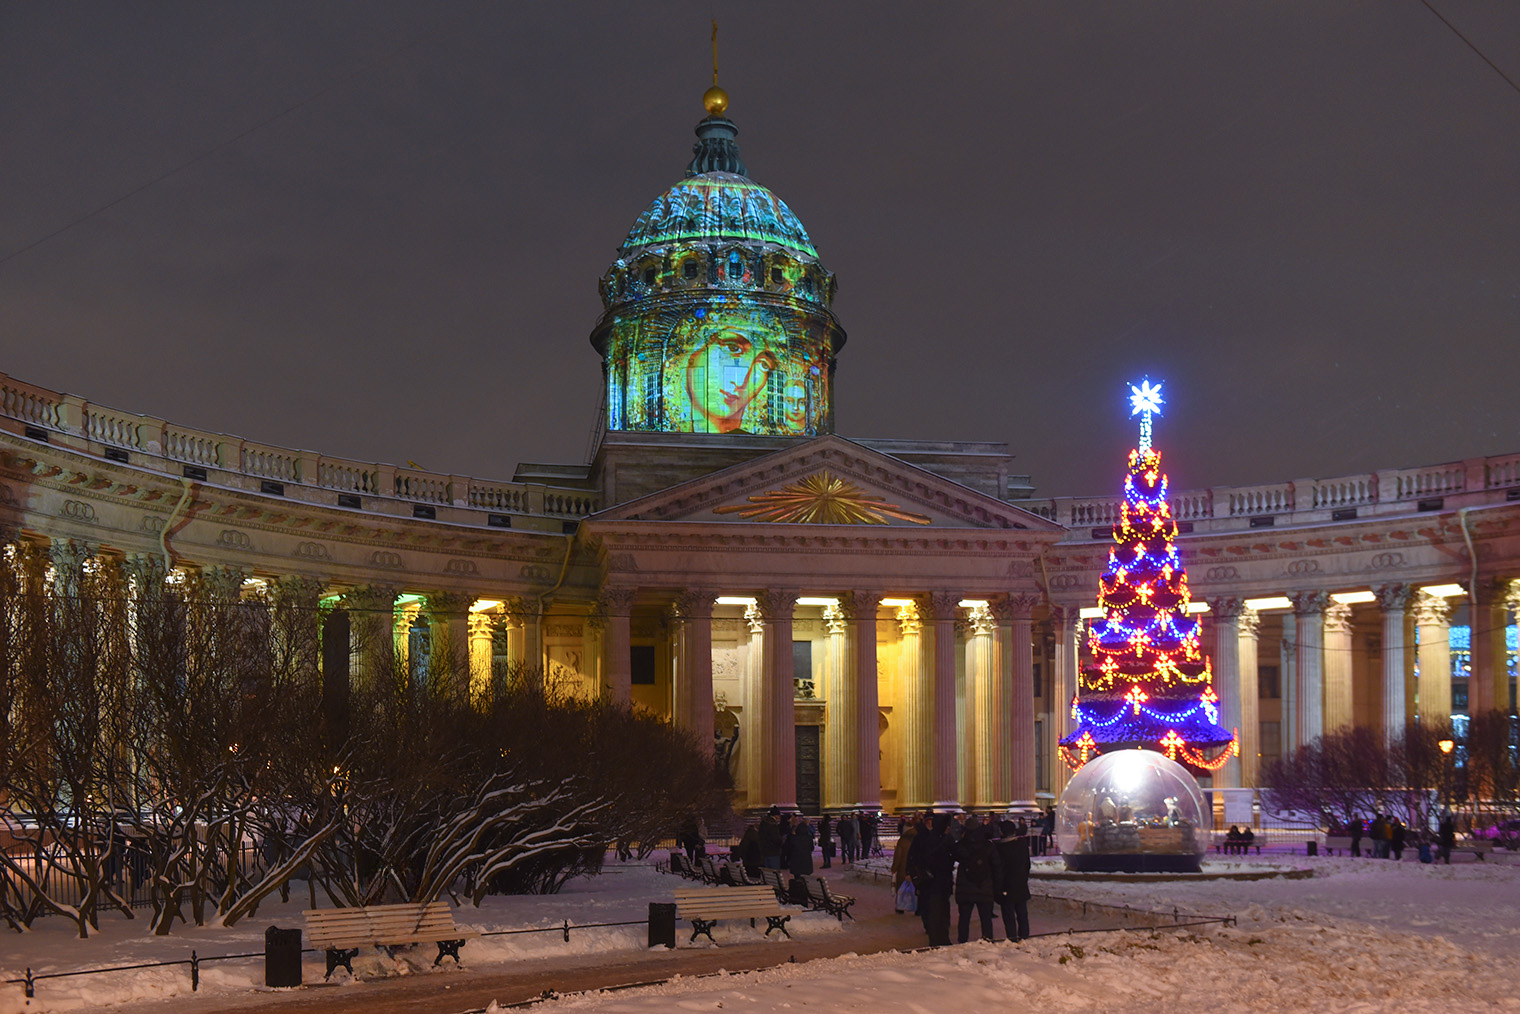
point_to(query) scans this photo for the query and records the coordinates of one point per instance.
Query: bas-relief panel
(567, 669)
(728, 665)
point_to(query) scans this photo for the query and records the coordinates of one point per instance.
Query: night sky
(1304, 217)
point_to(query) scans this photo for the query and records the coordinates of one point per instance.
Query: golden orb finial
(716, 100)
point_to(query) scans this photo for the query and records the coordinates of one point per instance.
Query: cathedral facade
(851, 623)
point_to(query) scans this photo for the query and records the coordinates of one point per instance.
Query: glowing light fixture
(734, 600)
(1198, 607)
(972, 603)
(807, 601)
(896, 603)
(1352, 598)
(482, 605)
(1444, 591)
(1274, 602)
(1090, 612)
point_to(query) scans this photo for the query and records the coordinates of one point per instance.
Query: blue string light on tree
(1149, 685)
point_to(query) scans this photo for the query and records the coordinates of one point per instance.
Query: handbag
(907, 897)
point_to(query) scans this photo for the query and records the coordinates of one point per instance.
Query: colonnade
(940, 672)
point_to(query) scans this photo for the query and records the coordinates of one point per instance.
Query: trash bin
(282, 957)
(662, 924)
(1311, 848)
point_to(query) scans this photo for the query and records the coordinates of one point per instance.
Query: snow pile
(1290, 966)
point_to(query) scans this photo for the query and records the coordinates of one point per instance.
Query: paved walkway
(876, 928)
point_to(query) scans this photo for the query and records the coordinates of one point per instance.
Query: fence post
(31, 985)
(195, 972)
(567, 931)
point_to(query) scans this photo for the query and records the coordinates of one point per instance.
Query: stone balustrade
(1469, 483)
(160, 446)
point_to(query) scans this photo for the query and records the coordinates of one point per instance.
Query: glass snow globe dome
(1132, 811)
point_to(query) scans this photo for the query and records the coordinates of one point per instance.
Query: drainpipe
(163, 534)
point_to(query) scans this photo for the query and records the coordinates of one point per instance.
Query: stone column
(1393, 599)
(940, 608)
(1249, 627)
(448, 618)
(915, 706)
(1432, 616)
(1018, 736)
(698, 607)
(1488, 685)
(1309, 666)
(1225, 613)
(372, 646)
(295, 632)
(616, 606)
(841, 736)
(515, 610)
(482, 654)
(1066, 623)
(982, 709)
(754, 736)
(1339, 713)
(779, 750)
(859, 608)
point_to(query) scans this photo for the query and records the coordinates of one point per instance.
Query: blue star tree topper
(1145, 401)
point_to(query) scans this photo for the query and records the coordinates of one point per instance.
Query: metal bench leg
(700, 926)
(778, 922)
(449, 948)
(340, 956)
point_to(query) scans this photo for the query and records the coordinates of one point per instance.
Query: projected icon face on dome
(724, 373)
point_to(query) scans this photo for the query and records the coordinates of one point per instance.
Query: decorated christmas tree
(1149, 684)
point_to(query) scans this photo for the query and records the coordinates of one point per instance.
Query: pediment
(828, 481)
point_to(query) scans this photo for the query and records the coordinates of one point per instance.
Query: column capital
(776, 604)
(224, 582)
(1393, 597)
(908, 622)
(1338, 618)
(1227, 608)
(370, 598)
(1249, 624)
(1309, 603)
(938, 606)
(146, 571)
(1065, 616)
(860, 605)
(697, 603)
(615, 600)
(981, 619)
(515, 609)
(449, 603)
(1013, 606)
(1431, 609)
(302, 591)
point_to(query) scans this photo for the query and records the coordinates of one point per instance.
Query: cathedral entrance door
(809, 769)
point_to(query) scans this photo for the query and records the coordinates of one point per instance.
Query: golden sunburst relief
(822, 499)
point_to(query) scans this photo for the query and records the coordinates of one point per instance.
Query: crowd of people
(976, 862)
(979, 862)
(1385, 836)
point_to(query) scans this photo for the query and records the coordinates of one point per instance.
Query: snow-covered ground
(1361, 935)
(621, 894)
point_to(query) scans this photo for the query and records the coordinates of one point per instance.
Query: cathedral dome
(717, 206)
(716, 310)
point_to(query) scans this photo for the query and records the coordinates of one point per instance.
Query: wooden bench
(822, 898)
(1337, 841)
(342, 931)
(705, 906)
(1241, 847)
(1477, 848)
(772, 879)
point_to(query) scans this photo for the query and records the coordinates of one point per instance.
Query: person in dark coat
(1447, 836)
(1396, 837)
(867, 833)
(826, 840)
(849, 834)
(770, 842)
(977, 877)
(1355, 830)
(749, 852)
(1013, 889)
(799, 854)
(931, 866)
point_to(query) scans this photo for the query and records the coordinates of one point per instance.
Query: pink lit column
(940, 607)
(779, 757)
